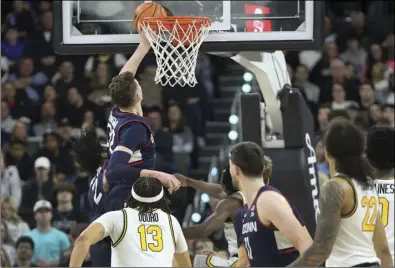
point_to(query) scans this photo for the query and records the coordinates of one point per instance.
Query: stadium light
(246, 88)
(233, 119)
(233, 135)
(248, 77)
(196, 217)
(205, 198)
(214, 171)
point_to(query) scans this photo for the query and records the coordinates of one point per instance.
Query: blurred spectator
(74, 234)
(76, 107)
(355, 54)
(163, 139)
(330, 36)
(21, 18)
(338, 76)
(367, 95)
(18, 156)
(321, 72)
(49, 242)
(114, 63)
(7, 122)
(47, 119)
(101, 79)
(5, 69)
(152, 91)
(386, 90)
(19, 132)
(388, 114)
(40, 44)
(16, 226)
(322, 164)
(65, 79)
(375, 115)
(36, 189)
(12, 47)
(339, 98)
(60, 158)
(309, 90)
(24, 252)
(18, 101)
(6, 244)
(50, 94)
(64, 130)
(10, 185)
(65, 215)
(182, 138)
(357, 28)
(323, 118)
(28, 80)
(376, 67)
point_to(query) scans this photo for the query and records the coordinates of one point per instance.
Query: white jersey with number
(354, 243)
(385, 191)
(229, 230)
(143, 240)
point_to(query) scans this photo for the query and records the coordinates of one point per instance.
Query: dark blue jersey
(96, 195)
(265, 245)
(238, 223)
(132, 132)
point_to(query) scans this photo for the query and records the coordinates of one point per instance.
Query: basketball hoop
(176, 42)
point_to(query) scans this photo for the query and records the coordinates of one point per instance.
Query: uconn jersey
(133, 132)
(265, 245)
(96, 196)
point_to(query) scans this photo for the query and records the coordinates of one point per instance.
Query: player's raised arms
(133, 63)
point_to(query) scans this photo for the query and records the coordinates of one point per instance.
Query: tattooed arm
(331, 203)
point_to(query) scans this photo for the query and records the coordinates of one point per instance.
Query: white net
(176, 44)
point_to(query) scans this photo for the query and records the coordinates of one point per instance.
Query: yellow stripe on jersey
(208, 261)
(234, 264)
(172, 230)
(124, 229)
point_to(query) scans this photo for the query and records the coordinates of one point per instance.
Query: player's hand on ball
(182, 179)
(168, 180)
(143, 40)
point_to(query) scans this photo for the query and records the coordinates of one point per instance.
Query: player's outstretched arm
(134, 62)
(212, 189)
(279, 213)
(225, 209)
(331, 203)
(381, 244)
(91, 235)
(181, 255)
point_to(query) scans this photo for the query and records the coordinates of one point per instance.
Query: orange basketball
(148, 9)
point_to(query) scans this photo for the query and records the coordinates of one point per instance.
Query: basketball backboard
(87, 27)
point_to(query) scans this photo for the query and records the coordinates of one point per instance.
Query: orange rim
(169, 22)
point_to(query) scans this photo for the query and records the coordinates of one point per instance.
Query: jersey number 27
(156, 232)
(372, 210)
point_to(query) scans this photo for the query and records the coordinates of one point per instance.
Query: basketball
(147, 10)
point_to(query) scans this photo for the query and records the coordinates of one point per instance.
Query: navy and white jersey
(96, 195)
(238, 223)
(265, 245)
(133, 132)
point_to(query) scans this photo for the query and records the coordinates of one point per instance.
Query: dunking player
(272, 230)
(348, 232)
(130, 141)
(380, 153)
(143, 234)
(222, 217)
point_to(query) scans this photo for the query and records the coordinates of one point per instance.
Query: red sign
(257, 25)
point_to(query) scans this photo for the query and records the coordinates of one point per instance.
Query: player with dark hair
(380, 153)
(130, 141)
(349, 230)
(222, 216)
(143, 234)
(272, 230)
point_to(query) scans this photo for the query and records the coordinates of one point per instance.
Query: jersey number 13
(156, 233)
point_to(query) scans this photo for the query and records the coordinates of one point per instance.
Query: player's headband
(147, 199)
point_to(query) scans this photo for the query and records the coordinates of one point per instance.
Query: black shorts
(101, 253)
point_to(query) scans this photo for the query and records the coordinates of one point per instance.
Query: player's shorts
(101, 253)
(213, 261)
